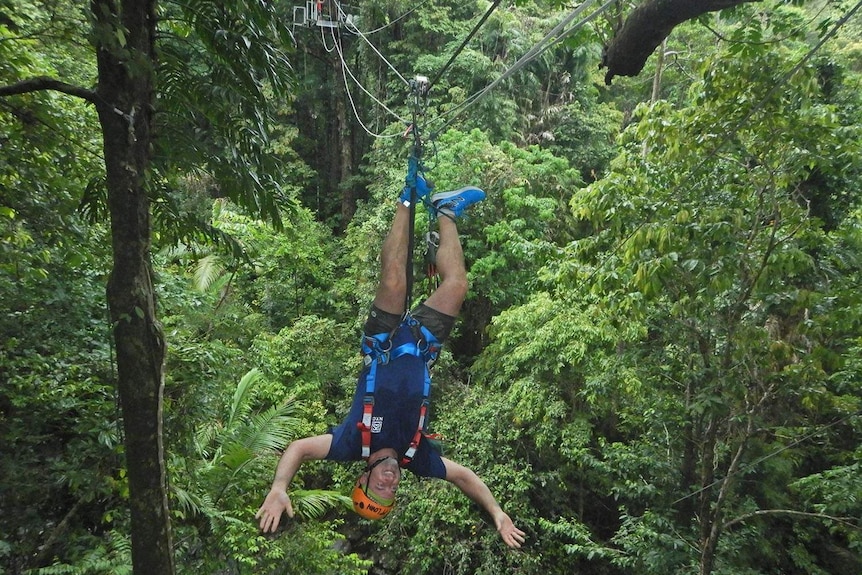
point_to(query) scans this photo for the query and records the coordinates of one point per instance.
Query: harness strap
(367, 410)
(420, 428)
(377, 350)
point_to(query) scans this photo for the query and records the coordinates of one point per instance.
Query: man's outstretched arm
(474, 488)
(277, 501)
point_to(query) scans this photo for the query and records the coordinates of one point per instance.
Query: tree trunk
(712, 518)
(125, 54)
(647, 26)
(343, 157)
(688, 469)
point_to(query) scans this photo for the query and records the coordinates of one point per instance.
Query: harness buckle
(373, 350)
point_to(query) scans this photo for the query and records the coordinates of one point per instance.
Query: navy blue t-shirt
(398, 398)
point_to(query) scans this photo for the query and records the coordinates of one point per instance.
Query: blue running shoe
(422, 189)
(454, 203)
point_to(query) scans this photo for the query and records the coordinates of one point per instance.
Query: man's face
(383, 479)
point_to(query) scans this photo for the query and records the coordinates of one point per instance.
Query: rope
(326, 48)
(412, 169)
(352, 27)
(414, 166)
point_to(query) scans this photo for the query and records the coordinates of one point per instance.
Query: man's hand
(276, 503)
(511, 535)
(474, 488)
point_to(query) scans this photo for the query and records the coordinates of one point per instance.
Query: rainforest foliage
(658, 369)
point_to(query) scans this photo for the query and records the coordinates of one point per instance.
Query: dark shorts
(438, 323)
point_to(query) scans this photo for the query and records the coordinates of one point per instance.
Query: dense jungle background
(658, 369)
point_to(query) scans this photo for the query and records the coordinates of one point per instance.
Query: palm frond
(314, 503)
(191, 504)
(262, 434)
(207, 272)
(235, 455)
(240, 406)
(205, 438)
(273, 429)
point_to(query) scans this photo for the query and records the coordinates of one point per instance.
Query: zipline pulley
(419, 92)
(419, 87)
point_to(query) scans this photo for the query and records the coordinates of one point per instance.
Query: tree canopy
(658, 368)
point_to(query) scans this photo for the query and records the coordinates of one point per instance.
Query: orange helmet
(369, 505)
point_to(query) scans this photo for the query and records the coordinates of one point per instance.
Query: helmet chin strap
(371, 466)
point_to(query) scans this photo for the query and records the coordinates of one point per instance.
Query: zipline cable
(352, 27)
(349, 72)
(463, 44)
(528, 57)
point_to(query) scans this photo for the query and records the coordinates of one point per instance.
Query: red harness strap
(364, 425)
(417, 437)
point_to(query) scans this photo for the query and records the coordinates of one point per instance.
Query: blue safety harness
(376, 351)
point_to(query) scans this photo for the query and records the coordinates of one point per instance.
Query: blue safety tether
(413, 168)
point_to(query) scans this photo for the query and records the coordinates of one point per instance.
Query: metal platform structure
(325, 14)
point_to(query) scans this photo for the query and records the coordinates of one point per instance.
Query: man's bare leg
(392, 289)
(450, 294)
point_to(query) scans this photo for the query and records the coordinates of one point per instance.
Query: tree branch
(647, 26)
(40, 83)
(58, 532)
(843, 520)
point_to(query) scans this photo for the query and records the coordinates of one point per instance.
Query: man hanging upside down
(387, 419)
